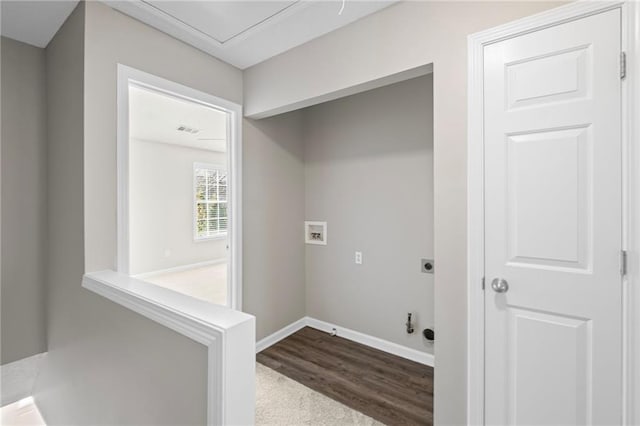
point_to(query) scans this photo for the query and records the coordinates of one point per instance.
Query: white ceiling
(222, 20)
(156, 117)
(241, 32)
(34, 22)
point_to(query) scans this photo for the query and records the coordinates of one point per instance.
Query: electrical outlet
(358, 258)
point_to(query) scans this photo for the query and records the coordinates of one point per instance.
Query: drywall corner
(273, 205)
(24, 197)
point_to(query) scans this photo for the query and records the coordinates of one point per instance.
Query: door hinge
(623, 262)
(483, 283)
(623, 65)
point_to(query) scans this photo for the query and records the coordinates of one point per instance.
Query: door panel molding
(573, 89)
(567, 340)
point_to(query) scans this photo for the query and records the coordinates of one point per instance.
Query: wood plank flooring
(390, 389)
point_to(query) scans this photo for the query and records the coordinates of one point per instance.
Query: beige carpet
(282, 401)
(279, 401)
(207, 282)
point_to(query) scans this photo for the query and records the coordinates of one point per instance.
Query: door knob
(499, 285)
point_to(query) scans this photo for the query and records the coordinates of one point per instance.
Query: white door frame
(127, 75)
(631, 196)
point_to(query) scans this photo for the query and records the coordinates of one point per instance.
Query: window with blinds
(210, 201)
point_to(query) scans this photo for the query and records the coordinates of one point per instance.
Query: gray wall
(106, 364)
(24, 198)
(401, 37)
(114, 38)
(161, 207)
(273, 209)
(369, 174)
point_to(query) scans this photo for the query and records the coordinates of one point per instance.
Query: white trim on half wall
(227, 334)
(127, 77)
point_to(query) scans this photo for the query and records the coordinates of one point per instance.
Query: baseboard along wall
(181, 268)
(355, 336)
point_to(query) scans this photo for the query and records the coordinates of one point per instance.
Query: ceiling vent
(187, 129)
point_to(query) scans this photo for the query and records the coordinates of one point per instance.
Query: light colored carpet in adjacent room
(206, 282)
(283, 401)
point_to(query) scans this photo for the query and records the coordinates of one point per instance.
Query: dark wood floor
(392, 390)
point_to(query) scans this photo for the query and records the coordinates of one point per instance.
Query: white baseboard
(281, 334)
(18, 378)
(180, 268)
(355, 336)
(374, 342)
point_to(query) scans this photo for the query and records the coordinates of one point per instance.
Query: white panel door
(553, 225)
